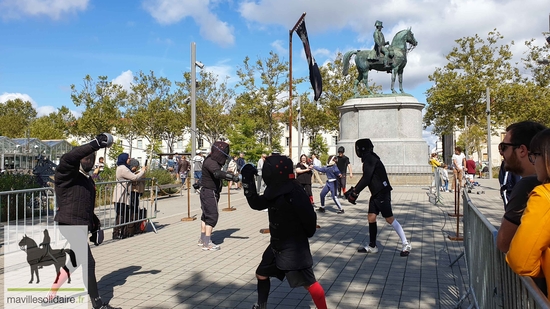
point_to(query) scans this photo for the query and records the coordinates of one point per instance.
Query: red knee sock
(318, 295)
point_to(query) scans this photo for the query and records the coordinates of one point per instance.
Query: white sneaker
(368, 249)
(211, 247)
(407, 247)
(199, 243)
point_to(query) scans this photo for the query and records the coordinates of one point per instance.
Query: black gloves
(103, 140)
(351, 196)
(97, 233)
(249, 182)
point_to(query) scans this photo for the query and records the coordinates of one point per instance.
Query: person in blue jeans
(333, 173)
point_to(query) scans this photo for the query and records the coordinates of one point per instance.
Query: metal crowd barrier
(37, 207)
(491, 283)
(409, 175)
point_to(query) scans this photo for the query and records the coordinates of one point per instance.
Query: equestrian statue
(384, 57)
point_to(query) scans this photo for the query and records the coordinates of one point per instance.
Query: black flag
(314, 73)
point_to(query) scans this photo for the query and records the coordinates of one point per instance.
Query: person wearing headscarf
(121, 195)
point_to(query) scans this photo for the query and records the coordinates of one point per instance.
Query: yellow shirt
(529, 253)
(434, 162)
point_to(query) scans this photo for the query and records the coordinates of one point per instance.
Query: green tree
(149, 106)
(243, 139)
(53, 126)
(318, 147)
(267, 96)
(103, 103)
(460, 86)
(213, 101)
(15, 117)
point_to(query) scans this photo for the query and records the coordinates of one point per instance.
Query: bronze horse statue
(37, 257)
(366, 60)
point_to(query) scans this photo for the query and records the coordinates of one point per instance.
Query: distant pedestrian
(459, 162)
(344, 166)
(316, 176)
(470, 168)
(259, 177)
(303, 175)
(376, 178)
(240, 163)
(197, 162)
(292, 221)
(333, 174)
(183, 169)
(444, 175)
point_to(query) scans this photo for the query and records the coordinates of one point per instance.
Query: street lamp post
(299, 110)
(193, 100)
(490, 165)
(194, 65)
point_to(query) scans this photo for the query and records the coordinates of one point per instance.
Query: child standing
(333, 173)
(444, 174)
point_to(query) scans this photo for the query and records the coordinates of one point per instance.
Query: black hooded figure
(212, 176)
(292, 221)
(376, 178)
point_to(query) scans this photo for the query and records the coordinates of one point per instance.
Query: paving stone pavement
(168, 270)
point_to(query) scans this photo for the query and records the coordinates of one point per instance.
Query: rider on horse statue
(380, 44)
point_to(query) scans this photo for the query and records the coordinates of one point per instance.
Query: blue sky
(47, 45)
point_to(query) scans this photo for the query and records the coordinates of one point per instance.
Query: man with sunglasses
(515, 151)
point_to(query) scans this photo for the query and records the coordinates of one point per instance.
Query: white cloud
(125, 79)
(168, 12)
(54, 9)
(279, 47)
(436, 24)
(40, 111)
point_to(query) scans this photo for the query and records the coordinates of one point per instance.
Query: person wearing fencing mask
(292, 221)
(212, 176)
(376, 178)
(75, 195)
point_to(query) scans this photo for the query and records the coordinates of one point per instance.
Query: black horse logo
(45, 256)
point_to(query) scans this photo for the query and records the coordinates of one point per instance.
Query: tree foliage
(15, 117)
(265, 84)
(151, 105)
(213, 101)
(103, 103)
(460, 86)
(56, 125)
(337, 89)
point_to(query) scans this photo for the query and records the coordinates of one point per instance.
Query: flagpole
(290, 83)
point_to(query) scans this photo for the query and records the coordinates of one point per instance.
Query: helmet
(378, 24)
(341, 149)
(277, 169)
(363, 146)
(219, 152)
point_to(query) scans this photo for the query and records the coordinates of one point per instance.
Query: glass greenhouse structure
(21, 154)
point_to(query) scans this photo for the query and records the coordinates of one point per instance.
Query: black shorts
(296, 278)
(381, 203)
(209, 206)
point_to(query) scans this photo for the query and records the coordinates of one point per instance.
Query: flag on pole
(314, 73)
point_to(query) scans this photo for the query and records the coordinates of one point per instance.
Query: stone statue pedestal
(394, 124)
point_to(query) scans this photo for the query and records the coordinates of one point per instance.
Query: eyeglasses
(503, 146)
(533, 156)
